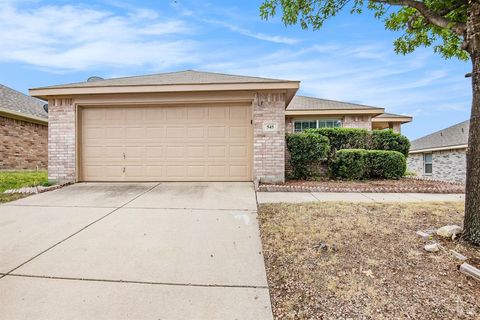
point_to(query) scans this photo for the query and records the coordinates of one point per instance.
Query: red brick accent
(61, 140)
(269, 147)
(23, 145)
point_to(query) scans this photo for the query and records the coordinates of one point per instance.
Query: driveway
(133, 251)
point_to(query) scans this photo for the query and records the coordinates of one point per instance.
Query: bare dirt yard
(400, 185)
(365, 261)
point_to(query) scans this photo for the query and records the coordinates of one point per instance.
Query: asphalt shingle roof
(18, 102)
(391, 115)
(451, 136)
(311, 103)
(172, 78)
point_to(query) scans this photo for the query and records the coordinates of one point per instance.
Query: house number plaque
(270, 126)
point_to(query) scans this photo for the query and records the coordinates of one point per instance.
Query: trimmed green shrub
(389, 140)
(306, 150)
(357, 164)
(345, 138)
(385, 164)
(349, 164)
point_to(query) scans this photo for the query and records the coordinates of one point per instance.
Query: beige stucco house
(186, 126)
(441, 155)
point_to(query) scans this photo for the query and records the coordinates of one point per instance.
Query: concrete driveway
(133, 251)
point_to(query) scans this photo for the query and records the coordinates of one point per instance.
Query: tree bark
(472, 199)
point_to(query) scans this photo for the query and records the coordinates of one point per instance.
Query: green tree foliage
(437, 23)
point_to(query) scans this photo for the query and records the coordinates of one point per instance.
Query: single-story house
(23, 131)
(185, 126)
(441, 155)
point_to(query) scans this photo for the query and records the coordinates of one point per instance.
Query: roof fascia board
(70, 91)
(454, 147)
(396, 119)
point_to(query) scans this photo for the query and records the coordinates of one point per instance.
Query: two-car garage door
(166, 143)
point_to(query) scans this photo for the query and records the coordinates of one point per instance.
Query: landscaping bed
(365, 261)
(404, 185)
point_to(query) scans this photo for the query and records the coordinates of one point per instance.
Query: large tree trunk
(472, 201)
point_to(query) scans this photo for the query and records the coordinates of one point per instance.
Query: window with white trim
(300, 125)
(427, 163)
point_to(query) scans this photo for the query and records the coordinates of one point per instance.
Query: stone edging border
(35, 189)
(377, 189)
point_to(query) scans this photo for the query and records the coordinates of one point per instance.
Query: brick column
(396, 127)
(61, 140)
(269, 146)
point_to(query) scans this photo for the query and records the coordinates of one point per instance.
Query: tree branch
(432, 17)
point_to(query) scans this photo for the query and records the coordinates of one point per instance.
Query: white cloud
(77, 38)
(252, 34)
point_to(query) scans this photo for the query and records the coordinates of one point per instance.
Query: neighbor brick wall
(269, 147)
(61, 140)
(447, 165)
(23, 145)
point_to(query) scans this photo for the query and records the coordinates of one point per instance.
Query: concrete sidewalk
(299, 197)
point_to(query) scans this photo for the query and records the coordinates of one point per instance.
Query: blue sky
(350, 59)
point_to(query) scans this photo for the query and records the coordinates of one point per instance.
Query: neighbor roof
(171, 78)
(18, 104)
(311, 103)
(448, 138)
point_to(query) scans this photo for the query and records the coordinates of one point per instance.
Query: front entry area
(166, 143)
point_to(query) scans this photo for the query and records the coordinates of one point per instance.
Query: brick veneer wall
(23, 145)
(269, 147)
(61, 140)
(447, 165)
(357, 121)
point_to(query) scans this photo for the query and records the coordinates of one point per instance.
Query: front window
(427, 163)
(300, 125)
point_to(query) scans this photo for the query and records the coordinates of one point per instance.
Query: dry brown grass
(374, 266)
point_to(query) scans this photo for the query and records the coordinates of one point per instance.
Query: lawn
(364, 261)
(19, 179)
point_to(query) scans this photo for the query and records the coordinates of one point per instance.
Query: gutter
(454, 147)
(22, 116)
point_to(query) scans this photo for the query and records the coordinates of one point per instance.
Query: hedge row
(349, 138)
(356, 164)
(363, 154)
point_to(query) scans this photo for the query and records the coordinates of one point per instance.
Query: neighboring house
(185, 126)
(441, 155)
(23, 131)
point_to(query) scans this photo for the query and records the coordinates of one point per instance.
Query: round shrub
(389, 140)
(345, 138)
(385, 164)
(307, 149)
(349, 164)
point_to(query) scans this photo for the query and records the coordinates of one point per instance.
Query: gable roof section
(181, 81)
(18, 105)
(453, 137)
(392, 117)
(310, 105)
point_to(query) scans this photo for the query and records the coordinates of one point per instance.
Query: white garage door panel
(178, 143)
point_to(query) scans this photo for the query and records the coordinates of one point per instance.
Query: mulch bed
(404, 185)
